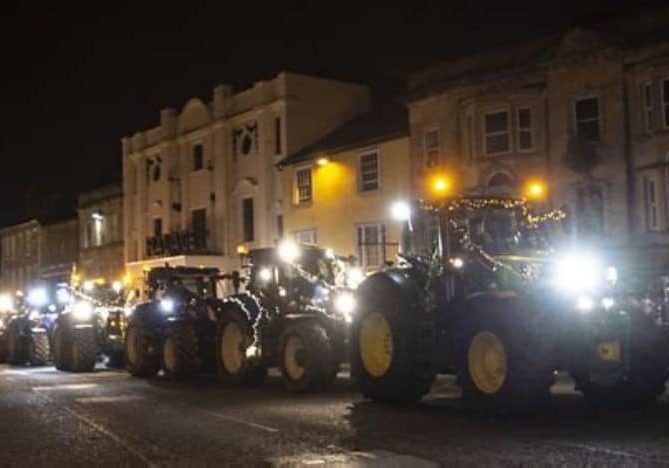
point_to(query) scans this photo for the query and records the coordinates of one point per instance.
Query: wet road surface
(50, 418)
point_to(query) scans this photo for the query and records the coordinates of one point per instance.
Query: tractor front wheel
(180, 355)
(83, 349)
(61, 347)
(306, 357)
(39, 349)
(140, 360)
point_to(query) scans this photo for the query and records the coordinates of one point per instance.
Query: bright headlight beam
(289, 251)
(167, 305)
(265, 274)
(37, 297)
(577, 273)
(345, 304)
(82, 310)
(401, 211)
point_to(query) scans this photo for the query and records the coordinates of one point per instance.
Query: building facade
(59, 250)
(100, 235)
(20, 255)
(585, 111)
(204, 181)
(338, 191)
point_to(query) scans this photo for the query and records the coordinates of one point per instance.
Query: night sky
(77, 79)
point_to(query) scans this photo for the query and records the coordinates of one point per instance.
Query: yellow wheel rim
(376, 344)
(487, 362)
(293, 347)
(232, 342)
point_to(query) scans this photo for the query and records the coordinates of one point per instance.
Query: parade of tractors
(483, 288)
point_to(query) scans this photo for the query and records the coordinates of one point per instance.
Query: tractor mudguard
(249, 304)
(401, 283)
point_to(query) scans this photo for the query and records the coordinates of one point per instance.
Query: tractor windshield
(501, 231)
(200, 286)
(420, 235)
(316, 263)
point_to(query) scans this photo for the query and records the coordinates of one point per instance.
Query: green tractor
(24, 330)
(479, 292)
(90, 327)
(291, 315)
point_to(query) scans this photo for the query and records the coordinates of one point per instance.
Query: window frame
(651, 204)
(664, 103)
(436, 148)
(575, 120)
(251, 238)
(278, 140)
(647, 107)
(529, 129)
(508, 132)
(296, 187)
(192, 226)
(363, 257)
(194, 145)
(378, 170)
(312, 232)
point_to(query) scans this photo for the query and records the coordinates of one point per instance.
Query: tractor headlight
(354, 277)
(345, 304)
(37, 297)
(63, 296)
(167, 305)
(82, 311)
(34, 315)
(289, 251)
(265, 275)
(582, 274)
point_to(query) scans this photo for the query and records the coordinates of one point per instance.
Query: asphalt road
(50, 418)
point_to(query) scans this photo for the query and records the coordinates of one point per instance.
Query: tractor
(479, 291)
(23, 333)
(175, 330)
(90, 326)
(291, 315)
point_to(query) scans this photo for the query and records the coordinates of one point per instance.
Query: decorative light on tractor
(117, 286)
(440, 186)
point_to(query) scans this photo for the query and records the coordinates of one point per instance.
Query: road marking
(243, 421)
(80, 386)
(101, 429)
(374, 458)
(604, 450)
(108, 399)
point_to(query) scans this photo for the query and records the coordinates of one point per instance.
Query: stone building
(20, 255)
(204, 181)
(586, 111)
(100, 234)
(338, 191)
(59, 250)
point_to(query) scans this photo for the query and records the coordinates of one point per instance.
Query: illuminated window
(431, 145)
(371, 240)
(307, 236)
(650, 202)
(647, 106)
(586, 118)
(198, 157)
(524, 128)
(369, 171)
(303, 186)
(496, 133)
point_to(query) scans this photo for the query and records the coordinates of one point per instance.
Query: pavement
(108, 418)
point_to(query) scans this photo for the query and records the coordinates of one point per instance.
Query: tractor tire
(180, 351)
(648, 368)
(3, 348)
(234, 335)
(61, 347)
(83, 349)
(39, 349)
(115, 360)
(305, 357)
(383, 346)
(140, 360)
(501, 364)
(16, 353)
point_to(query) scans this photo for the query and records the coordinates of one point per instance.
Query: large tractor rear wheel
(234, 336)
(384, 345)
(180, 353)
(83, 349)
(61, 347)
(140, 359)
(306, 357)
(500, 364)
(648, 359)
(39, 350)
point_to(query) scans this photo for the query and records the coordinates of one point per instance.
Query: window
(198, 157)
(248, 221)
(586, 115)
(524, 128)
(650, 204)
(371, 239)
(277, 135)
(496, 133)
(665, 102)
(307, 236)
(279, 226)
(199, 225)
(303, 187)
(157, 227)
(369, 171)
(431, 147)
(647, 106)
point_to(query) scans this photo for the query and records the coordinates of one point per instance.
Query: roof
(384, 123)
